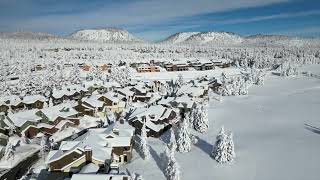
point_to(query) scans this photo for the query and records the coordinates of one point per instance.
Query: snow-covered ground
(272, 135)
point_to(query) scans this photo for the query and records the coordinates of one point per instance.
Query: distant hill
(29, 36)
(105, 35)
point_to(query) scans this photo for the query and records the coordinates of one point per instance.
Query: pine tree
(184, 140)
(172, 141)
(172, 169)
(201, 123)
(223, 150)
(144, 149)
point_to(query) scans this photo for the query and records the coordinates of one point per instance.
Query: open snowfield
(272, 135)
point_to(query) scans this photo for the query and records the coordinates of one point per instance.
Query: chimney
(88, 153)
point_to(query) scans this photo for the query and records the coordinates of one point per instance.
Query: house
(176, 66)
(85, 67)
(184, 103)
(141, 93)
(148, 68)
(35, 102)
(55, 114)
(101, 147)
(90, 105)
(12, 102)
(104, 67)
(158, 119)
(74, 92)
(126, 93)
(112, 102)
(222, 63)
(23, 119)
(201, 65)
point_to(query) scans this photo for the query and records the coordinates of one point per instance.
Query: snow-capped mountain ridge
(214, 38)
(178, 37)
(105, 35)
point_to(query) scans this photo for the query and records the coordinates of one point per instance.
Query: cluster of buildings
(103, 148)
(181, 65)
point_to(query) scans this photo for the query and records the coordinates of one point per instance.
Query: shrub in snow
(144, 149)
(288, 69)
(223, 150)
(234, 86)
(256, 76)
(172, 170)
(184, 141)
(200, 122)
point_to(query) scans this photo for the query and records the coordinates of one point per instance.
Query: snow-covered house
(55, 114)
(126, 93)
(35, 102)
(101, 147)
(141, 93)
(112, 101)
(23, 119)
(10, 102)
(90, 105)
(72, 92)
(158, 119)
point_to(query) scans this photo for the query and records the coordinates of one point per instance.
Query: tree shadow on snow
(158, 159)
(312, 128)
(204, 145)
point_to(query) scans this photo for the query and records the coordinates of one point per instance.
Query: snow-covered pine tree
(172, 144)
(144, 148)
(172, 169)
(180, 80)
(9, 151)
(201, 122)
(184, 140)
(223, 150)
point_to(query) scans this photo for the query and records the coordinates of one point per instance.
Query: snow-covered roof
(68, 145)
(126, 91)
(90, 168)
(93, 101)
(64, 110)
(22, 117)
(14, 100)
(33, 99)
(62, 123)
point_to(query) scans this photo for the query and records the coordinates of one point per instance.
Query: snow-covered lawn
(273, 136)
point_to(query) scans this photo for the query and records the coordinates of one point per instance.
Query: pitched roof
(22, 117)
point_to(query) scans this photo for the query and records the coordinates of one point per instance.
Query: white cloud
(131, 13)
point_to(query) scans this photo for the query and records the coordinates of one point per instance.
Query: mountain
(105, 35)
(178, 37)
(28, 36)
(226, 39)
(201, 38)
(214, 38)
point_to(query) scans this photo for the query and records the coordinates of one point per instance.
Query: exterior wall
(119, 154)
(4, 108)
(31, 132)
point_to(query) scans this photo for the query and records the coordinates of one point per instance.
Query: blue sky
(157, 19)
